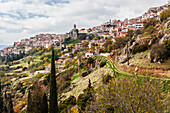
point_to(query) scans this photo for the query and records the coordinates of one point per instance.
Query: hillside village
(131, 53)
(113, 29)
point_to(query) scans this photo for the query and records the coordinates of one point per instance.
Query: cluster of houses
(25, 45)
(117, 28)
(114, 29)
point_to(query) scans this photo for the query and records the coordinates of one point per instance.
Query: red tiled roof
(60, 60)
(77, 43)
(126, 24)
(124, 32)
(117, 37)
(89, 51)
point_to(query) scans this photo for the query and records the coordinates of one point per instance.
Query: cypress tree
(5, 104)
(44, 104)
(28, 104)
(53, 88)
(5, 95)
(10, 105)
(89, 85)
(1, 99)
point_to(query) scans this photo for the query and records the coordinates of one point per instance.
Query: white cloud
(25, 18)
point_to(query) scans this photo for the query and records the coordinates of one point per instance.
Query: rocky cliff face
(165, 32)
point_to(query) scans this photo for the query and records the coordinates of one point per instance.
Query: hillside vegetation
(130, 74)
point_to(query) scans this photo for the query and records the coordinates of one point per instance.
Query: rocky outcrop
(164, 38)
(123, 59)
(124, 50)
(166, 33)
(160, 33)
(167, 25)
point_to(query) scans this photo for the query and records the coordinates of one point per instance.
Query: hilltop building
(73, 33)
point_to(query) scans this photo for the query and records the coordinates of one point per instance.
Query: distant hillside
(3, 46)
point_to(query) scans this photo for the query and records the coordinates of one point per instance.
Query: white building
(27, 49)
(138, 25)
(89, 54)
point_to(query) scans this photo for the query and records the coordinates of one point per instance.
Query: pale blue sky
(25, 18)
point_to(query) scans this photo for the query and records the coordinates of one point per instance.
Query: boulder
(123, 59)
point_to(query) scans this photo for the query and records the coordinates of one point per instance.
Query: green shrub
(106, 78)
(39, 75)
(85, 73)
(120, 43)
(42, 57)
(159, 52)
(66, 104)
(102, 64)
(90, 60)
(150, 30)
(25, 75)
(166, 45)
(45, 82)
(154, 40)
(140, 48)
(82, 99)
(89, 71)
(25, 68)
(165, 14)
(150, 22)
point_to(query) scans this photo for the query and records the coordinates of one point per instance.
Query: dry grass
(82, 82)
(145, 62)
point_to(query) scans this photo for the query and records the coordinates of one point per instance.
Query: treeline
(12, 57)
(7, 59)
